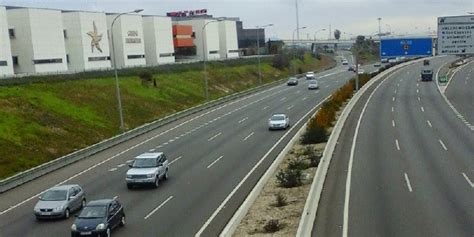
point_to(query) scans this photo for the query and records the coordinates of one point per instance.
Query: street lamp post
(258, 51)
(117, 87)
(204, 57)
(294, 46)
(317, 32)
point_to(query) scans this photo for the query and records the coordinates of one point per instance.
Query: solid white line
(213, 137)
(243, 119)
(158, 207)
(209, 166)
(226, 200)
(113, 169)
(422, 109)
(408, 183)
(442, 144)
(396, 143)
(179, 157)
(247, 137)
(290, 107)
(468, 180)
(429, 123)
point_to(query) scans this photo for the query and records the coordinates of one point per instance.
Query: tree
(337, 34)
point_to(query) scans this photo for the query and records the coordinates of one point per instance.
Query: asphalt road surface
(460, 93)
(410, 165)
(211, 153)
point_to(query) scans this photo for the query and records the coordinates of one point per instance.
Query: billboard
(406, 47)
(199, 12)
(455, 35)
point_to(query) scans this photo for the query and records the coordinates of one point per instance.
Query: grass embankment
(43, 121)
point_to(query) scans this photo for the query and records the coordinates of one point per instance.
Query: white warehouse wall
(128, 39)
(210, 37)
(229, 47)
(38, 36)
(84, 43)
(5, 47)
(158, 35)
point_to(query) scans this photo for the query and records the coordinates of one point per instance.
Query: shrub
(308, 151)
(280, 200)
(272, 226)
(297, 164)
(314, 160)
(314, 134)
(281, 61)
(289, 178)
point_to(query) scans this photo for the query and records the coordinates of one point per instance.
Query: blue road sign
(406, 47)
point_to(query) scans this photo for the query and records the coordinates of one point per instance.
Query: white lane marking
(121, 165)
(242, 120)
(326, 86)
(417, 91)
(242, 181)
(393, 123)
(304, 98)
(158, 147)
(393, 98)
(397, 144)
(115, 197)
(282, 99)
(176, 138)
(113, 169)
(164, 144)
(442, 144)
(395, 91)
(129, 161)
(171, 140)
(393, 109)
(408, 183)
(209, 166)
(158, 207)
(468, 180)
(177, 158)
(422, 109)
(417, 84)
(429, 123)
(419, 98)
(266, 107)
(151, 150)
(398, 84)
(247, 137)
(213, 137)
(290, 107)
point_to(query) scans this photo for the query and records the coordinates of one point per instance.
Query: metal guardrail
(38, 171)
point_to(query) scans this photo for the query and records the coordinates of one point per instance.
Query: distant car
(427, 74)
(361, 71)
(392, 60)
(98, 218)
(351, 69)
(377, 64)
(345, 62)
(313, 84)
(60, 202)
(148, 168)
(293, 81)
(310, 76)
(384, 60)
(278, 121)
(426, 62)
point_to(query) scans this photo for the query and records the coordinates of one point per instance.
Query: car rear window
(277, 117)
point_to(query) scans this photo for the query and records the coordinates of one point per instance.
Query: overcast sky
(349, 16)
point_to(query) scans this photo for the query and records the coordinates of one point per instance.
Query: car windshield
(93, 212)
(144, 163)
(54, 195)
(292, 79)
(313, 82)
(277, 118)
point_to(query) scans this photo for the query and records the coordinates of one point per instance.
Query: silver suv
(60, 201)
(148, 168)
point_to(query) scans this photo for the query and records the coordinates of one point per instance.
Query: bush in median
(289, 178)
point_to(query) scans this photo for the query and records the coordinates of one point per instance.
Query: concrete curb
(257, 189)
(308, 216)
(43, 169)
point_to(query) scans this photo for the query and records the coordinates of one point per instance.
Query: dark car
(351, 69)
(292, 81)
(98, 218)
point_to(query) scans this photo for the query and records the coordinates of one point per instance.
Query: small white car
(345, 62)
(361, 71)
(148, 168)
(313, 84)
(310, 76)
(278, 121)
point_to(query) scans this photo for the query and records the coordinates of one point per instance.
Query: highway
(403, 165)
(460, 92)
(216, 157)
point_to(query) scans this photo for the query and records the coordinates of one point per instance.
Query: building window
(3, 63)
(15, 60)
(11, 32)
(67, 58)
(164, 55)
(213, 52)
(47, 61)
(65, 34)
(96, 59)
(135, 56)
(234, 51)
(193, 35)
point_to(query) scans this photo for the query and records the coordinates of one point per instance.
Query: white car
(361, 71)
(313, 84)
(310, 76)
(345, 62)
(148, 168)
(278, 121)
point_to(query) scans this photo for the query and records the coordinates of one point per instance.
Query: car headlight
(150, 175)
(129, 176)
(60, 208)
(73, 227)
(100, 226)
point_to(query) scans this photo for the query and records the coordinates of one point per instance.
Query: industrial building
(128, 38)
(207, 37)
(87, 47)
(229, 47)
(6, 64)
(158, 36)
(37, 40)
(248, 37)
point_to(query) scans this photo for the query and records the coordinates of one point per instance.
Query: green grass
(43, 121)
